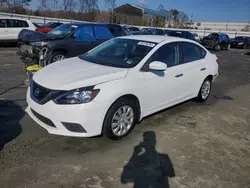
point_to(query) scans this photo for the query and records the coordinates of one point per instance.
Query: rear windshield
(212, 36)
(240, 38)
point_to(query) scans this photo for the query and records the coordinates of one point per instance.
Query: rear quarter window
(102, 32)
(116, 30)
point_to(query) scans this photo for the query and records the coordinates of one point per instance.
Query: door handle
(178, 75)
(203, 69)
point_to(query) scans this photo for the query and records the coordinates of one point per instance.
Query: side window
(190, 52)
(116, 30)
(203, 52)
(2, 23)
(14, 23)
(159, 32)
(85, 33)
(168, 54)
(102, 32)
(24, 24)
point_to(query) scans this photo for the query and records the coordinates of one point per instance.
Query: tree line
(88, 10)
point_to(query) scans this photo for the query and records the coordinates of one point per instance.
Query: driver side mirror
(157, 66)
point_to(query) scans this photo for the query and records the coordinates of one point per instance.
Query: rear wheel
(120, 119)
(205, 90)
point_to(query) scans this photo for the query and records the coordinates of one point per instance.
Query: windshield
(240, 38)
(122, 53)
(63, 30)
(175, 33)
(212, 36)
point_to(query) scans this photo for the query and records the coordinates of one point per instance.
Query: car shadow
(10, 116)
(147, 168)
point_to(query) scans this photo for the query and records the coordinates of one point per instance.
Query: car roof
(11, 18)
(91, 23)
(155, 38)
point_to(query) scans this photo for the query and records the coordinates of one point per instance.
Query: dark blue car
(181, 34)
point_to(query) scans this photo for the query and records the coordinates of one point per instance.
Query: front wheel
(120, 119)
(205, 90)
(56, 56)
(217, 47)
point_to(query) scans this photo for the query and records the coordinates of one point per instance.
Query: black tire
(54, 54)
(200, 97)
(107, 129)
(217, 47)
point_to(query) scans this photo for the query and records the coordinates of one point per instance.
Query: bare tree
(182, 18)
(111, 5)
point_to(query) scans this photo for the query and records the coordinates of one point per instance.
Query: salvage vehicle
(216, 41)
(112, 87)
(181, 34)
(150, 31)
(10, 28)
(67, 40)
(241, 42)
(48, 27)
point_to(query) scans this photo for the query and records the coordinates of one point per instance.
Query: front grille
(43, 119)
(39, 92)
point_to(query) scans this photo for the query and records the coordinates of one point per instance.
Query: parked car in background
(196, 36)
(150, 31)
(216, 41)
(10, 28)
(48, 27)
(132, 29)
(67, 40)
(181, 34)
(114, 86)
(240, 42)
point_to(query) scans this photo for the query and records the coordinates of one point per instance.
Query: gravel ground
(201, 145)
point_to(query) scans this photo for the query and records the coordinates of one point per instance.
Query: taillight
(218, 61)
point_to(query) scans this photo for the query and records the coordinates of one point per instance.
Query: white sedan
(112, 87)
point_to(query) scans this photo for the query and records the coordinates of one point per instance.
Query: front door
(162, 88)
(83, 40)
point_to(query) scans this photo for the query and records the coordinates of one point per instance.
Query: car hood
(237, 41)
(75, 73)
(28, 36)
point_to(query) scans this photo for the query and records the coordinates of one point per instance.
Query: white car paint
(11, 33)
(154, 91)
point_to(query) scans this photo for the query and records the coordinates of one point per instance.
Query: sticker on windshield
(146, 44)
(129, 62)
(74, 26)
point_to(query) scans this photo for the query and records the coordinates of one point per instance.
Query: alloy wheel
(122, 120)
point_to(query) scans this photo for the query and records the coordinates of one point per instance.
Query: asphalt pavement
(196, 145)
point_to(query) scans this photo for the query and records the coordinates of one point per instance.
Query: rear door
(82, 41)
(193, 68)
(14, 27)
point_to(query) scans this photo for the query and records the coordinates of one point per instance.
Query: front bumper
(53, 117)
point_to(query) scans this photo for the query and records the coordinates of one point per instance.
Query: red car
(47, 27)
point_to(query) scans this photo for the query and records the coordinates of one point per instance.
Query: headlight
(241, 43)
(40, 44)
(78, 96)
